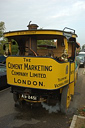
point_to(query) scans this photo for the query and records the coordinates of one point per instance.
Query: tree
(14, 47)
(2, 28)
(3, 40)
(47, 42)
(83, 48)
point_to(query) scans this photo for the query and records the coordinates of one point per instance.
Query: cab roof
(38, 33)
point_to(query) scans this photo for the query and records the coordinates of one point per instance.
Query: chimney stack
(32, 26)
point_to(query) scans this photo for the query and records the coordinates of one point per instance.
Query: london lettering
(28, 82)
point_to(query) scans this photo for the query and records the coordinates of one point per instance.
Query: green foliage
(3, 40)
(83, 47)
(45, 42)
(82, 126)
(2, 28)
(77, 61)
(14, 49)
(48, 42)
(1, 50)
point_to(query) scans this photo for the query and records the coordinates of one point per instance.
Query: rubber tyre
(15, 96)
(84, 66)
(64, 96)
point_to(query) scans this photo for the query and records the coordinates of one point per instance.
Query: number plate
(32, 97)
(29, 97)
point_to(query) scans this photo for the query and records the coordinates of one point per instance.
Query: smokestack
(32, 26)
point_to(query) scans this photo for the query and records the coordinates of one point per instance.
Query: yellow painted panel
(36, 32)
(72, 72)
(17, 33)
(35, 72)
(71, 87)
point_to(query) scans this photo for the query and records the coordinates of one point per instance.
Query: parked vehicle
(81, 54)
(3, 79)
(82, 60)
(40, 74)
(2, 59)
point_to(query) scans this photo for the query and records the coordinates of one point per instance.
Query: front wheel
(18, 102)
(65, 99)
(15, 96)
(83, 65)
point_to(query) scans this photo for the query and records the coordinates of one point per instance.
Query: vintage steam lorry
(41, 72)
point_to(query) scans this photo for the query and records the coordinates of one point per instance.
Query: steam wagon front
(44, 68)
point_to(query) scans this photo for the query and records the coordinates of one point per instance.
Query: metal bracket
(68, 34)
(69, 29)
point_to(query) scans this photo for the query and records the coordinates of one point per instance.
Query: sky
(47, 14)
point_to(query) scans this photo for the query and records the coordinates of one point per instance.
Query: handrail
(69, 29)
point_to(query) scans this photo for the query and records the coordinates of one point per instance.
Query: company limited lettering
(37, 75)
(19, 73)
